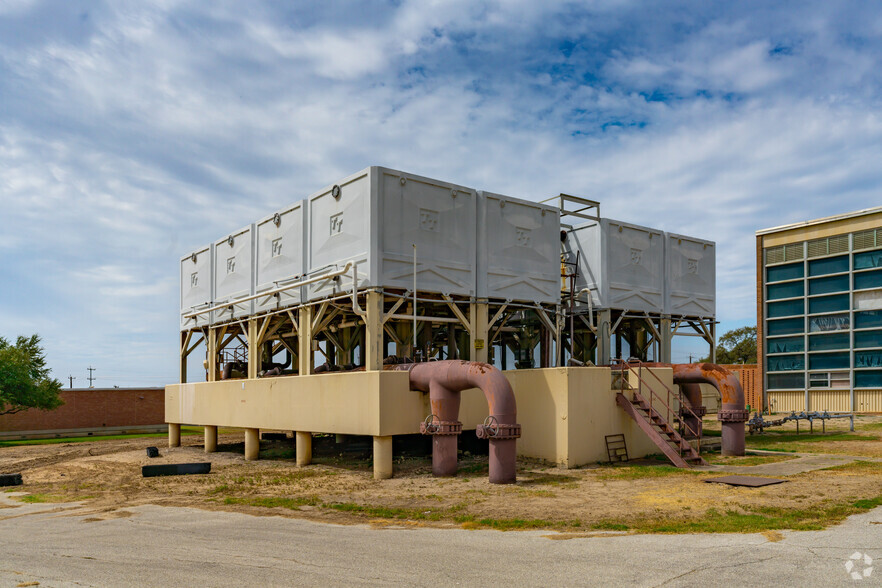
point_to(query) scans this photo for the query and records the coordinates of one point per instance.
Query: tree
(24, 377)
(736, 346)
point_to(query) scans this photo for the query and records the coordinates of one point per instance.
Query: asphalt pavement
(64, 545)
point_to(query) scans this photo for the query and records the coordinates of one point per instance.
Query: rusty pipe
(444, 380)
(692, 417)
(732, 413)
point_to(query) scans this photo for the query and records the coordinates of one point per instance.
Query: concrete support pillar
(210, 438)
(174, 435)
(253, 349)
(665, 340)
(382, 458)
(603, 344)
(211, 376)
(479, 316)
(252, 444)
(303, 448)
(373, 339)
(304, 341)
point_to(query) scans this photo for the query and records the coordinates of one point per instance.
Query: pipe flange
(733, 416)
(439, 427)
(699, 412)
(498, 431)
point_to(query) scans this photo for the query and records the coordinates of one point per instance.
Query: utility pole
(72, 378)
(91, 377)
(690, 358)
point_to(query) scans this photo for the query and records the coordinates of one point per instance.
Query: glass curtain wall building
(819, 313)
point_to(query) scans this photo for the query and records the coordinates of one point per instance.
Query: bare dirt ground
(105, 476)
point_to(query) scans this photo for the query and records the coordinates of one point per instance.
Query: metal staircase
(642, 407)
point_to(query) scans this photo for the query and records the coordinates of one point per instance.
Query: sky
(132, 132)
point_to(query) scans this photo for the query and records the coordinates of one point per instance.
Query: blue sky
(133, 131)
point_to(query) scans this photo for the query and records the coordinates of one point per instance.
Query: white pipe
(271, 292)
(427, 319)
(356, 308)
(590, 305)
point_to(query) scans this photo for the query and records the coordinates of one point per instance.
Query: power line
(91, 377)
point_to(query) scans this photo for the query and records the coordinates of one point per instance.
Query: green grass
(275, 501)
(637, 472)
(858, 466)
(184, 431)
(755, 520)
(41, 498)
(773, 438)
(748, 460)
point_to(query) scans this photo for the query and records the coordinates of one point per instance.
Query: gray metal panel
(196, 285)
(279, 254)
(233, 273)
(437, 217)
(583, 242)
(634, 269)
(691, 276)
(519, 249)
(339, 231)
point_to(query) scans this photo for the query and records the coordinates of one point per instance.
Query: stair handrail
(629, 365)
(684, 403)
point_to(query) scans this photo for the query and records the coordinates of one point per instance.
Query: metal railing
(673, 416)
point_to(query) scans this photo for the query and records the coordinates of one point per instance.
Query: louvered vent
(867, 239)
(793, 252)
(837, 244)
(775, 255)
(817, 248)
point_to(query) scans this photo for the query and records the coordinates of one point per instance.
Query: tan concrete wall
(361, 403)
(565, 413)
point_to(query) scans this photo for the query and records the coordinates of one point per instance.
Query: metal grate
(867, 239)
(793, 252)
(775, 255)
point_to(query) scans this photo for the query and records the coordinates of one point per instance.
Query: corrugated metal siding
(868, 400)
(830, 400)
(787, 401)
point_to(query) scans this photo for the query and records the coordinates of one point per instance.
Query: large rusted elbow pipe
(732, 413)
(444, 380)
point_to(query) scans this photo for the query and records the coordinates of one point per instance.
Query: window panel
(865, 359)
(788, 290)
(829, 322)
(785, 326)
(867, 299)
(828, 303)
(788, 308)
(785, 345)
(866, 280)
(868, 379)
(828, 285)
(786, 363)
(829, 265)
(827, 342)
(787, 381)
(868, 319)
(864, 339)
(868, 260)
(826, 361)
(780, 273)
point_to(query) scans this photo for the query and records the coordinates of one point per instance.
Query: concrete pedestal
(382, 458)
(210, 439)
(174, 435)
(252, 444)
(304, 448)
